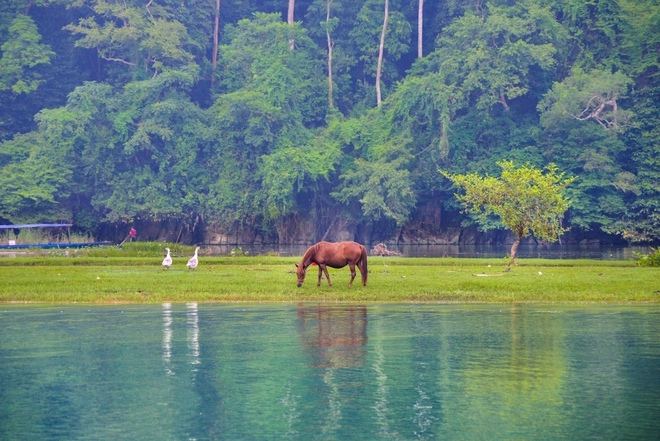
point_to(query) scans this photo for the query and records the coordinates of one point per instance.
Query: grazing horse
(334, 255)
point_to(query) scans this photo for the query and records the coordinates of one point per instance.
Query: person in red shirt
(133, 234)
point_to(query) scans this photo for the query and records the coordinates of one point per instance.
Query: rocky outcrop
(425, 230)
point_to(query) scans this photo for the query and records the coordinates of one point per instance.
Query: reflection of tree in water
(336, 336)
(515, 371)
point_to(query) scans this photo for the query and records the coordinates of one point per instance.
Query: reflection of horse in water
(336, 336)
(334, 255)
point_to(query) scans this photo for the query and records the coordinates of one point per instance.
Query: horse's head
(300, 272)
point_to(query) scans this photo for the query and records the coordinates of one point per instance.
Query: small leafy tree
(526, 200)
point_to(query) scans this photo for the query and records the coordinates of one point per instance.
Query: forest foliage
(124, 110)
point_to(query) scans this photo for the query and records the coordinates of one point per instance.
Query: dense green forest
(288, 118)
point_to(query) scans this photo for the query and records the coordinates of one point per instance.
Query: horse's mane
(307, 257)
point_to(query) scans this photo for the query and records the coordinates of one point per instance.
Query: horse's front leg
(353, 273)
(327, 276)
(320, 275)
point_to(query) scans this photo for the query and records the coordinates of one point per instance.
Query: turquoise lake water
(339, 372)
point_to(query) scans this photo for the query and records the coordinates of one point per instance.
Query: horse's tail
(363, 264)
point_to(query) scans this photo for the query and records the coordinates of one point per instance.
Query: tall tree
(585, 96)
(346, 92)
(640, 40)
(274, 97)
(35, 178)
(583, 121)
(377, 179)
(329, 25)
(641, 220)
(147, 40)
(289, 19)
(420, 28)
(216, 30)
(381, 49)
(22, 54)
(491, 58)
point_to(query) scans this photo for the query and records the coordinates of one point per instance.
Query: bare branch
(149, 4)
(597, 113)
(119, 60)
(114, 59)
(502, 101)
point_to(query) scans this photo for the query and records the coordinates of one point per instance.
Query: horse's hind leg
(353, 273)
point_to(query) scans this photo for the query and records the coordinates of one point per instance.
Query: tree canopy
(122, 110)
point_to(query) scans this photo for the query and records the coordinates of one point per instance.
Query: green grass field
(59, 279)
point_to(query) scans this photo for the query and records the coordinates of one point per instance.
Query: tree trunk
(289, 19)
(502, 101)
(215, 40)
(420, 27)
(380, 54)
(514, 248)
(330, 45)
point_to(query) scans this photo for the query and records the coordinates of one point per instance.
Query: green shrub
(650, 259)
(238, 251)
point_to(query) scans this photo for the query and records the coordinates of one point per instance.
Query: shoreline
(270, 279)
(329, 303)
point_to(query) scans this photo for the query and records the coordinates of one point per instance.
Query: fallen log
(381, 250)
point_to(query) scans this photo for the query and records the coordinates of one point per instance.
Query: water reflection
(192, 336)
(291, 412)
(329, 372)
(193, 333)
(167, 337)
(381, 396)
(335, 339)
(514, 372)
(334, 336)
(427, 408)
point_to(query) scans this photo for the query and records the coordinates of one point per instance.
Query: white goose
(167, 262)
(192, 263)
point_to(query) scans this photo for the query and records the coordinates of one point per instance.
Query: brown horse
(334, 255)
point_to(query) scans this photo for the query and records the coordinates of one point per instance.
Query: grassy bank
(271, 279)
